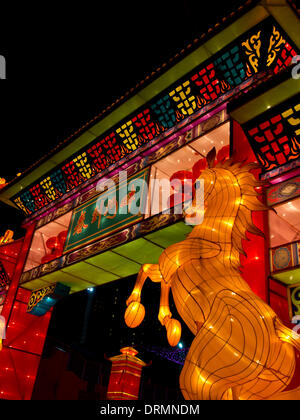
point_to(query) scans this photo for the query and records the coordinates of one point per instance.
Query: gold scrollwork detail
(39, 295)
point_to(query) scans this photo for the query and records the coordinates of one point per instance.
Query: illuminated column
(256, 265)
(125, 376)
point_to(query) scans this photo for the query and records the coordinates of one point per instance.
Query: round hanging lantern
(134, 314)
(173, 332)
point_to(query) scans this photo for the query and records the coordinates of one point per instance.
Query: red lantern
(52, 243)
(125, 376)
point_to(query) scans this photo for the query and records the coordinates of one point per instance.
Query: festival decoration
(275, 134)
(3, 183)
(2, 331)
(173, 332)
(134, 314)
(56, 245)
(182, 184)
(125, 376)
(240, 343)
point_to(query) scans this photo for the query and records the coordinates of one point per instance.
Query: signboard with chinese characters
(112, 210)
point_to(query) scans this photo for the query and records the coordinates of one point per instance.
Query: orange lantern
(173, 332)
(134, 314)
(125, 376)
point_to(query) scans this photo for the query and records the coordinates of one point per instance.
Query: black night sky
(64, 66)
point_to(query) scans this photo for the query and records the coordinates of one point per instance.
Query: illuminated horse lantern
(241, 350)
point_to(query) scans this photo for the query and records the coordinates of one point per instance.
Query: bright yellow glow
(235, 331)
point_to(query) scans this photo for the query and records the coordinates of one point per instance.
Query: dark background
(67, 62)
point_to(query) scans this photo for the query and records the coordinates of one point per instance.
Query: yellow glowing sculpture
(241, 350)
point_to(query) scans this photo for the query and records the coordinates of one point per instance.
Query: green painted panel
(170, 235)
(141, 251)
(116, 264)
(88, 222)
(90, 273)
(288, 277)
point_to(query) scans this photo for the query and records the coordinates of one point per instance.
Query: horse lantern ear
(211, 157)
